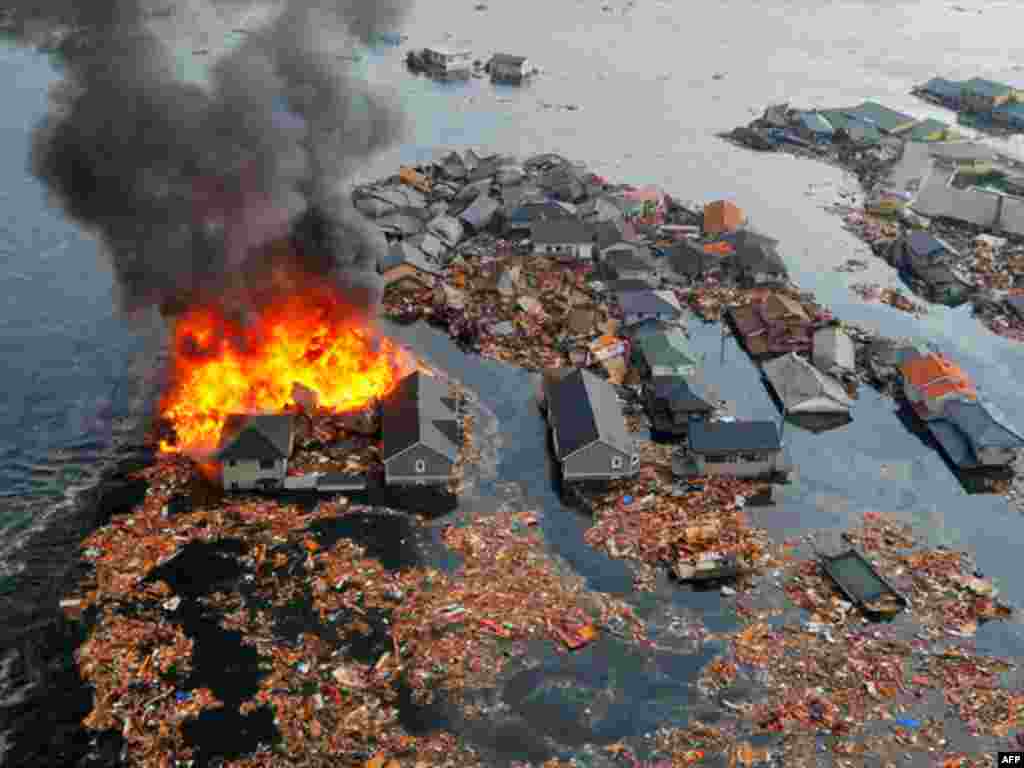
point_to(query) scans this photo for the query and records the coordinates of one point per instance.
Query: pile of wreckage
(455, 61)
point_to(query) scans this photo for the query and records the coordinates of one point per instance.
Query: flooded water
(642, 76)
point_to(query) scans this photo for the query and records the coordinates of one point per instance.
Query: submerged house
(626, 261)
(931, 380)
(688, 259)
(254, 451)
(974, 436)
(1010, 115)
(814, 127)
(587, 428)
(504, 66)
(930, 259)
(421, 432)
(775, 326)
(754, 260)
(722, 216)
(802, 388)
(887, 120)
(663, 353)
(949, 92)
(734, 448)
(567, 238)
(981, 95)
(832, 349)
(638, 306)
(672, 403)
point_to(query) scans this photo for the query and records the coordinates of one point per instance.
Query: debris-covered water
(647, 111)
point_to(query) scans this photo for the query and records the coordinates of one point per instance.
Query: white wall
(248, 473)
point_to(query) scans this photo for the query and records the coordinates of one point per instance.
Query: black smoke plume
(187, 186)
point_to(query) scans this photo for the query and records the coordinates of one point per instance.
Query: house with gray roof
(637, 306)
(480, 213)
(254, 451)
(975, 435)
(504, 66)
(588, 431)
(755, 260)
(627, 261)
(563, 238)
(672, 402)
(421, 432)
(689, 259)
(733, 448)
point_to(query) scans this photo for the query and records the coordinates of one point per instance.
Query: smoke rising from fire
(189, 187)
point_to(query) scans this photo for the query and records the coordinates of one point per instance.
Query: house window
(267, 463)
(421, 466)
(616, 462)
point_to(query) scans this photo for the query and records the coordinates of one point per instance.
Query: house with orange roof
(932, 380)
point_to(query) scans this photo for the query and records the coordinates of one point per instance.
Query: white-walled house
(563, 237)
(254, 451)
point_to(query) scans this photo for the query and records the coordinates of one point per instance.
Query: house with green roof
(887, 120)
(981, 95)
(852, 128)
(931, 130)
(664, 353)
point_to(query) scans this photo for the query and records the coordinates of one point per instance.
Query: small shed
(722, 216)
(833, 349)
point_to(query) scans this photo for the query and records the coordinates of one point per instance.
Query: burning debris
(300, 349)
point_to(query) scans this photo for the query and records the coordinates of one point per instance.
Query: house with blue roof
(949, 92)
(813, 127)
(974, 435)
(1011, 115)
(852, 128)
(887, 120)
(981, 95)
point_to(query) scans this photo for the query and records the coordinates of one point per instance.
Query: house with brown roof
(774, 326)
(722, 216)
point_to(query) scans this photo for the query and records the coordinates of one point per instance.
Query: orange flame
(220, 367)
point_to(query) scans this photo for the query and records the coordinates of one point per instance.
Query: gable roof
(678, 394)
(688, 258)
(414, 414)
(966, 428)
(815, 121)
(990, 88)
(802, 387)
(936, 375)
(729, 436)
(648, 302)
(756, 253)
(722, 216)
(508, 59)
(888, 120)
(925, 244)
(666, 348)
(584, 409)
(480, 211)
(557, 231)
(943, 88)
(261, 437)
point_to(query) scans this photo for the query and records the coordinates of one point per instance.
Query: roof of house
(666, 349)
(648, 302)
(678, 394)
(802, 387)
(558, 231)
(927, 129)
(940, 86)
(402, 252)
(722, 216)
(937, 376)
(508, 59)
(755, 253)
(688, 258)
(480, 212)
(628, 257)
(262, 437)
(779, 305)
(729, 436)
(415, 413)
(583, 410)
(925, 244)
(968, 427)
(628, 285)
(834, 342)
(815, 121)
(1014, 108)
(886, 119)
(990, 88)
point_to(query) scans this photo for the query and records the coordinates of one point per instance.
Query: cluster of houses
(866, 125)
(1001, 103)
(421, 441)
(453, 61)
